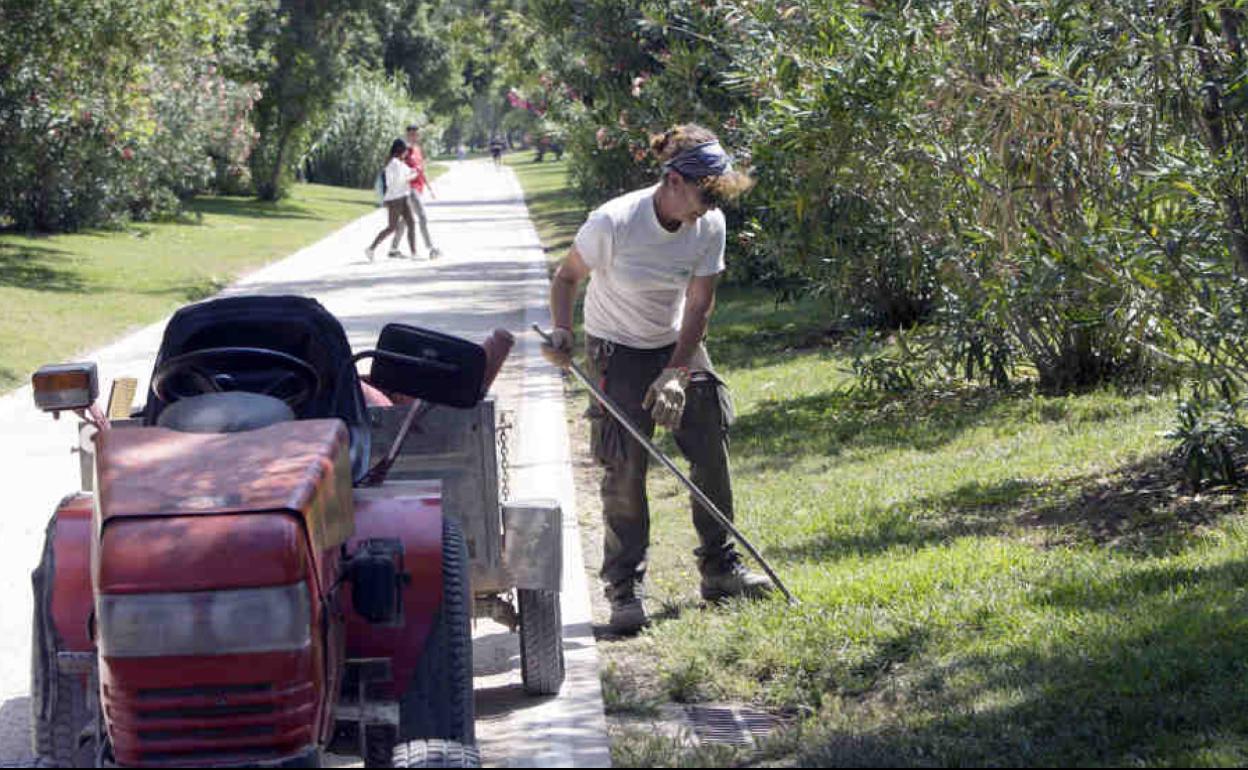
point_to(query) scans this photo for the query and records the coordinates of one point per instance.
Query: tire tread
(541, 641)
(436, 753)
(438, 703)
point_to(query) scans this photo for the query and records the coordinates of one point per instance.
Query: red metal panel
(416, 520)
(201, 553)
(71, 583)
(212, 711)
(300, 466)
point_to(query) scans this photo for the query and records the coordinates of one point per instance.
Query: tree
(81, 101)
(308, 44)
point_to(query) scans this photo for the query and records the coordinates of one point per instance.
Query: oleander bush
(112, 111)
(1038, 189)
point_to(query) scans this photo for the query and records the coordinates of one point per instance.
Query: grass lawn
(63, 294)
(986, 578)
(556, 212)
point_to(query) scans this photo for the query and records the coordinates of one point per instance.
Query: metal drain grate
(731, 725)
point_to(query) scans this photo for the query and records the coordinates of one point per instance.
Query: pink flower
(127, 153)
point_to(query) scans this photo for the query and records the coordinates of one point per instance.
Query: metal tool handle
(655, 452)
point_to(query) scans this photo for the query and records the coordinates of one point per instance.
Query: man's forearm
(692, 329)
(562, 295)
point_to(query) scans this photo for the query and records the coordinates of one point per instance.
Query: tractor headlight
(205, 622)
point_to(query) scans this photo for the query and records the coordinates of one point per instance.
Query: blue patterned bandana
(700, 161)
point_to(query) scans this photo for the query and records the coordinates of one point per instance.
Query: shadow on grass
(38, 268)
(1163, 685)
(193, 291)
(249, 208)
(971, 509)
(751, 329)
(559, 216)
(369, 204)
(1139, 509)
(828, 423)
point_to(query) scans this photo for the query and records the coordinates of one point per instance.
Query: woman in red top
(415, 159)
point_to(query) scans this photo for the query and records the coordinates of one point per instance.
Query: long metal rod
(655, 452)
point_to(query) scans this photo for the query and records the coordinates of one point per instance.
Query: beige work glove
(559, 350)
(665, 398)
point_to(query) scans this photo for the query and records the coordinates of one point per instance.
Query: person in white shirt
(398, 177)
(652, 258)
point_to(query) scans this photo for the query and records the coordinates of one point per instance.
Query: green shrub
(114, 109)
(1049, 189)
(1208, 436)
(369, 113)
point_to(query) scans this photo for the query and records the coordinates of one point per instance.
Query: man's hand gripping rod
(654, 451)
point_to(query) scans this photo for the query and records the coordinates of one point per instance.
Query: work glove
(665, 398)
(558, 350)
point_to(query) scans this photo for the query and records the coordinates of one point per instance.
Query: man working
(415, 159)
(653, 258)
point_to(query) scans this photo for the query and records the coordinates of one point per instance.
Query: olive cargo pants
(625, 373)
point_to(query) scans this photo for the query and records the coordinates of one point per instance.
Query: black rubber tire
(55, 737)
(541, 641)
(380, 746)
(438, 703)
(436, 753)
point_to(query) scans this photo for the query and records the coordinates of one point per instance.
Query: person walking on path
(415, 160)
(397, 176)
(496, 151)
(653, 258)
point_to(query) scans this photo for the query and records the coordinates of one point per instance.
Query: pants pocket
(726, 405)
(709, 387)
(606, 439)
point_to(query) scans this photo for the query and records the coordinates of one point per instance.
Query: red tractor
(238, 584)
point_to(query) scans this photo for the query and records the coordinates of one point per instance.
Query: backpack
(379, 187)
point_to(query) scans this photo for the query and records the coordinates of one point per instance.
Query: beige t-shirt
(640, 271)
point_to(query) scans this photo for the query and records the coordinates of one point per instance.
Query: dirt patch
(1146, 505)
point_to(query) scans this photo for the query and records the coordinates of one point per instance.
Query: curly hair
(726, 187)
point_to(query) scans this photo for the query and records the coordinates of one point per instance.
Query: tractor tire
(438, 704)
(541, 641)
(60, 710)
(58, 738)
(380, 741)
(436, 754)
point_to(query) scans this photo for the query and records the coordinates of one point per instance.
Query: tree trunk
(1213, 116)
(271, 189)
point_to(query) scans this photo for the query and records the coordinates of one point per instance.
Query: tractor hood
(301, 468)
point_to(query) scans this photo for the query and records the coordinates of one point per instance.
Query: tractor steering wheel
(212, 370)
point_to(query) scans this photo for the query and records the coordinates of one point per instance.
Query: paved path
(492, 274)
